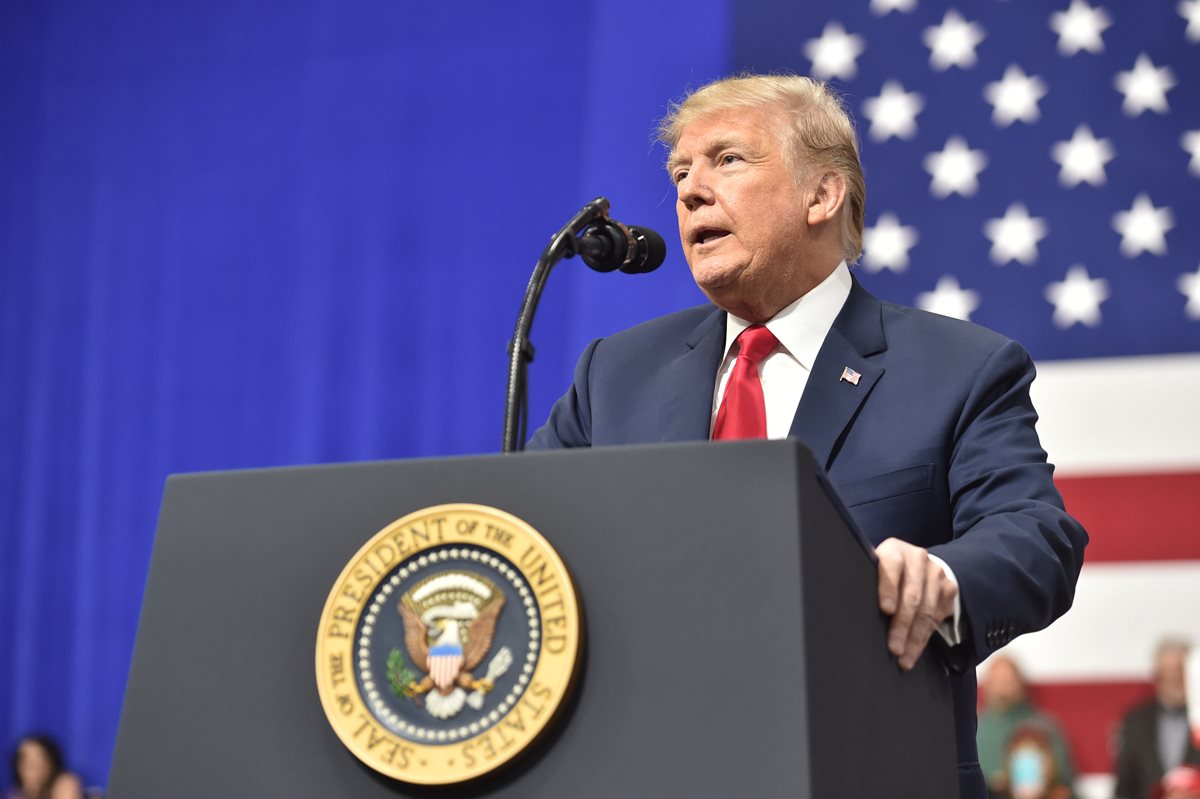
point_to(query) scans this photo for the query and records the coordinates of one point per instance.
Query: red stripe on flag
(1134, 517)
(1089, 714)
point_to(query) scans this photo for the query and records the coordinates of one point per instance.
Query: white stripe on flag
(1120, 415)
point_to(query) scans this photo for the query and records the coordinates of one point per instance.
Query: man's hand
(916, 593)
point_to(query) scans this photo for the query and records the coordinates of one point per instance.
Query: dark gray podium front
(734, 647)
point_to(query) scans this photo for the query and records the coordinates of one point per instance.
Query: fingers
(917, 595)
(901, 589)
(891, 571)
(912, 598)
(925, 618)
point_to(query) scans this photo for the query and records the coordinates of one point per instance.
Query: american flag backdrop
(1035, 168)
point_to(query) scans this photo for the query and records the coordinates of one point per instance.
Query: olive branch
(399, 674)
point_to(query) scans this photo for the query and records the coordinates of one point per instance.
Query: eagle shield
(445, 662)
(449, 624)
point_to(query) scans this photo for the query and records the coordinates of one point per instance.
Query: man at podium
(922, 422)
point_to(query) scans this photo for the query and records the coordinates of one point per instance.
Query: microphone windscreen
(651, 251)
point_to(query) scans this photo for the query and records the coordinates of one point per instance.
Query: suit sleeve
(1015, 551)
(570, 421)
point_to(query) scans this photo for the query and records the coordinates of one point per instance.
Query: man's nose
(694, 190)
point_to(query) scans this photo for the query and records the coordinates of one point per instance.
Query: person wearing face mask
(1006, 707)
(1029, 766)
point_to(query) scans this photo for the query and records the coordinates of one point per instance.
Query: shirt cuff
(951, 628)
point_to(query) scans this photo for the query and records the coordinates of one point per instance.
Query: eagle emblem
(435, 661)
(449, 623)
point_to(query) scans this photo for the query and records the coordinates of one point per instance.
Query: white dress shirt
(801, 329)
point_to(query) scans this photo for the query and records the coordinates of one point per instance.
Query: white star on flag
(955, 169)
(1189, 284)
(1145, 87)
(949, 299)
(886, 245)
(1079, 28)
(1077, 298)
(1191, 143)
(1015, 236)
(1143, 227)
(884, 7)
(893, 112)
(833, 54)
(1082, 158)
(1190, 10)
(953, 42)
(1015, 97)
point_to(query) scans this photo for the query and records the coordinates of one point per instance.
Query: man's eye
(680, 175)
(729, 158)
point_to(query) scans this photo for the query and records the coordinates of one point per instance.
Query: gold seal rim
(427, 764)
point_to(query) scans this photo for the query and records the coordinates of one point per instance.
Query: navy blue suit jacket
(935, 445)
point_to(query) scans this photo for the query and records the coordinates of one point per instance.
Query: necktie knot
(756, 343)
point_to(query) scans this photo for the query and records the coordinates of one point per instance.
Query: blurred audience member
(1181, 782)
(38, 771)
(1154, 737)
(1006, 707)
(1029, 765)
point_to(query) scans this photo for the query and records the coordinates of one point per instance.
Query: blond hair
(821, 133)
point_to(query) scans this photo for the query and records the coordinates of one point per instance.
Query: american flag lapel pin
(850, 376)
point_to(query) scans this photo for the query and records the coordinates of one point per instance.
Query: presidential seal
(447, 644)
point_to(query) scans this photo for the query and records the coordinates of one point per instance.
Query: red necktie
(743, 411)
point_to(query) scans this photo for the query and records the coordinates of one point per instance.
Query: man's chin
(716, 278)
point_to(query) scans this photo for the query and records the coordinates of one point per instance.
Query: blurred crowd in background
(1026, 755)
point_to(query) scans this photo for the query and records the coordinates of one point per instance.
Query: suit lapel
(829, 403)
(686, 411)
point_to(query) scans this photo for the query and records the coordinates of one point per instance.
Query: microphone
(607, 245)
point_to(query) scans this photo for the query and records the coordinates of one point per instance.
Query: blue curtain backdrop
(239, 235)
(245, 234)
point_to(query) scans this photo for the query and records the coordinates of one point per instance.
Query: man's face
(743, 215)
(1169, 678)
(1002, 686)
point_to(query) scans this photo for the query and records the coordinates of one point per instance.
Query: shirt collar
(802, 326)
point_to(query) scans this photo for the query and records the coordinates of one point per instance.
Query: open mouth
(708, 235)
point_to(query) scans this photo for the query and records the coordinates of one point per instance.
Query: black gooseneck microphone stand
(520, 351)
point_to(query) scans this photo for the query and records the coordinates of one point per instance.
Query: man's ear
(828, 199)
